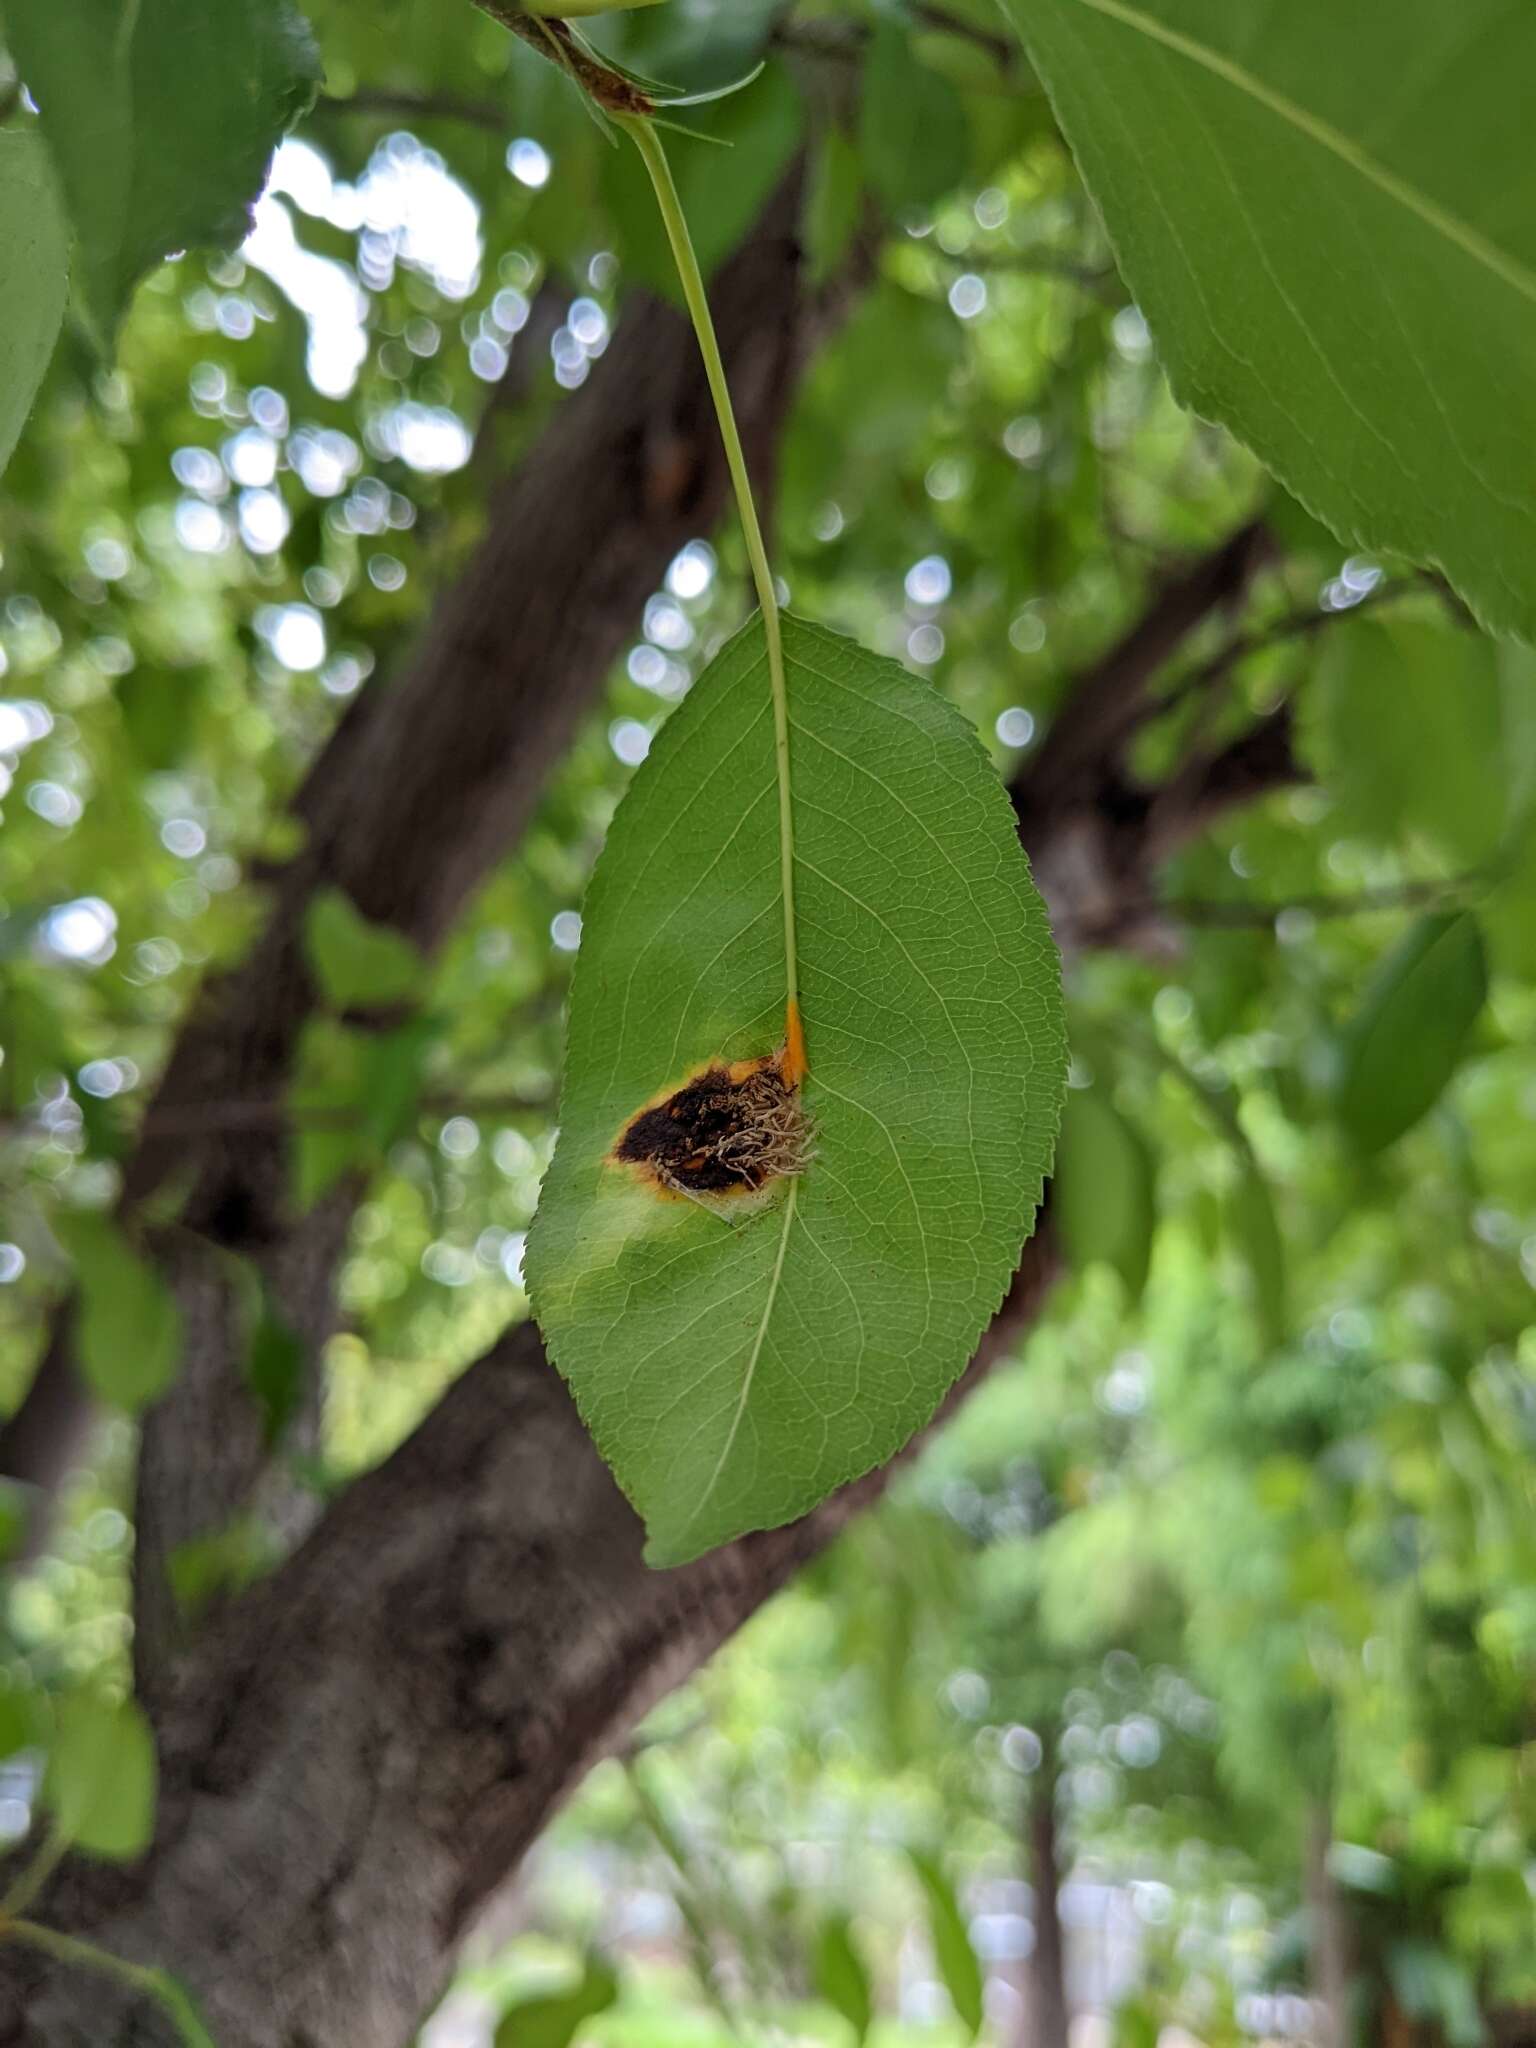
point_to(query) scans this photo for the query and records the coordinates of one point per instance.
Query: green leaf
(841, 1977)
(1507, 912)
(161, 120)
(554, 2019)
(912, 128)
(1337, 261)
(100, 1780)
(393, 1068)
(274, 1366)
(354, 1093)
(206, 1568)
(1256, 1233)
(952, 1951)
(127, 1326)
(834, 193)
(733, 1373)
(20, 1714)
(359, 964)
(161, 710)
(1408, 1038)
(34, 277)
(1102, 1189)
(1410, 733)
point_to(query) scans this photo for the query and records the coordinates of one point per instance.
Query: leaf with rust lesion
(879, 1166)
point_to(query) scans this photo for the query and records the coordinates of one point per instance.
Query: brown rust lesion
(723, 1136)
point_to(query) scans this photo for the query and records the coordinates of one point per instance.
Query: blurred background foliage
(1207, 1633)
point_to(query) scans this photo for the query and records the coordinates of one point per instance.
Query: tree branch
(1109, 701)
(415, 106)
(363, 1748)
(1085, 823)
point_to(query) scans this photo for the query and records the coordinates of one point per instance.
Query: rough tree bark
(359, 1749)
(1330, 1937)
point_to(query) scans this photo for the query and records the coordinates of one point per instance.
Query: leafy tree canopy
(1140, 400)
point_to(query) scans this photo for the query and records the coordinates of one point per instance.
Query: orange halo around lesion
(685, 1144)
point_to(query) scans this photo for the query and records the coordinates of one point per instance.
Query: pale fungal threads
(726, 1134)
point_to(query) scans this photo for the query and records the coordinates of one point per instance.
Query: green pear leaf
(1336, 253)
(739, 1354)
(100, 1780)
(127, 1325)
(953, 1951)
(1410, 1034)
(34, 277)
(1103, 1192)
(162, 119)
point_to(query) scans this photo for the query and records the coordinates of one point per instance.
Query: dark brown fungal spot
(724, 1134)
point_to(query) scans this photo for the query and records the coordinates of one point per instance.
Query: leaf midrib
(1459, 233)
(775, 1281)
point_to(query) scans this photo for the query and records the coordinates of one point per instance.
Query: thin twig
(1216, 913)
(419, 106)
(841, 42)
(1005, 54)
(1098, 282)
(1295, 626)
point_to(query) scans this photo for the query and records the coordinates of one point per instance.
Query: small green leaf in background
(15, 1502)
(1507, 913)
(354, 1092)
(1410, 733)
(274, 1367)
(1102, 1190)
(1348, 283)
(360, 965)
(127, 1326)
(1255, 1232)
(34, 276)
(19, 1718)
(161, 121)
(841, 1976)
(734, 1373)
(958, 1966)
(1411, 1031)
(555, 2019)
(99, 1783)
(162, 708)
(834, 194)
(206, 1568)
(912, 128)
(1136, 2023)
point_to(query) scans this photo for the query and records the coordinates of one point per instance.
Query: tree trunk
(1047, 2016)
(1331, 1946)
(358, 1754)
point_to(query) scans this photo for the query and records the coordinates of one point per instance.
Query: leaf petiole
(643, 134)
